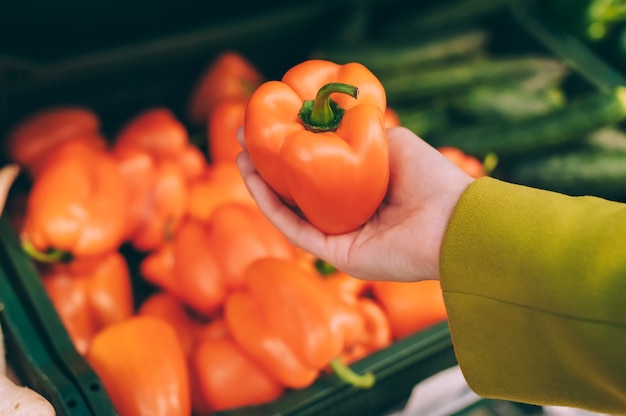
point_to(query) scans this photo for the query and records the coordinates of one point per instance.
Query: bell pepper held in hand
(318, 139)
(143, 367)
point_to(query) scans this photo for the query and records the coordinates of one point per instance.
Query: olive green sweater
(535, 287)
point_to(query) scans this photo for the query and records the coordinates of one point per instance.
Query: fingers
(240, 137)
(296, 229)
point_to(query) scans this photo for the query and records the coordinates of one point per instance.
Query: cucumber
(606, 139)
(399, 55)
(506, 103)
(530, 71)
(444, 14)
(583, 172)
(573, 122)
(424, 120)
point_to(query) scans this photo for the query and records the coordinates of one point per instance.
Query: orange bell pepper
(158, 198)
(230, 75)
(348, 288)
(260, 341)
(470, 165)
(76, 205)
(206, 259)
(228, 378)
(243, 235)
(158, 132)
(410, 307)
(30, 142)
(223, 123)
(155, 130)
(377, 334)
(159, 164)
(90, 297)
(318, 138)
(391, 118)
(294, 326)
(377, 330)
(163, 306)
(221, 183)
(188, 269)
(192, 331)
(143, 367)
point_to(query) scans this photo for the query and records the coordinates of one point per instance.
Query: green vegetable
(531, 72)
(507, 103)
(579, 172)
(569, 124)
(424, 120)
(400, 55)
(445, 14)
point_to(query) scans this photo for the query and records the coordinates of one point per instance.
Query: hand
(402, 240)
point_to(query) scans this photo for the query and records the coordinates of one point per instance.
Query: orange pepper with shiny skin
(318, 138)
(163, 306)
(293, 325)
(192, 331)
(76, 205)
(221, 183)
(410, 307)
(376, 332)
(207, 259)
(143, 367)
(391, 118)
(228, 378)
(90, 295)
(159, 164)
(32, 139)
(224, 121)
(158, 132)
(230, 75)
(243, 235)
(470, 164)
(221, 375)
(188, 269)
(158, 197)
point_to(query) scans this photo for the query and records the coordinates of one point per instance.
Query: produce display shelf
(160, 71)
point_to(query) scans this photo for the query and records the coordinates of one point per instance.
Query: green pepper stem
(490, 162)
(345, 373)
(48, 256)
(324, 268)
(323, 114)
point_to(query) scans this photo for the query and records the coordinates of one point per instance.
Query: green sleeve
(535, 288)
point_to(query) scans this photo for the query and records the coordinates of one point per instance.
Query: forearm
(535, 287)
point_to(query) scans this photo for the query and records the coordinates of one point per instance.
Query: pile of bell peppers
(235, 315)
